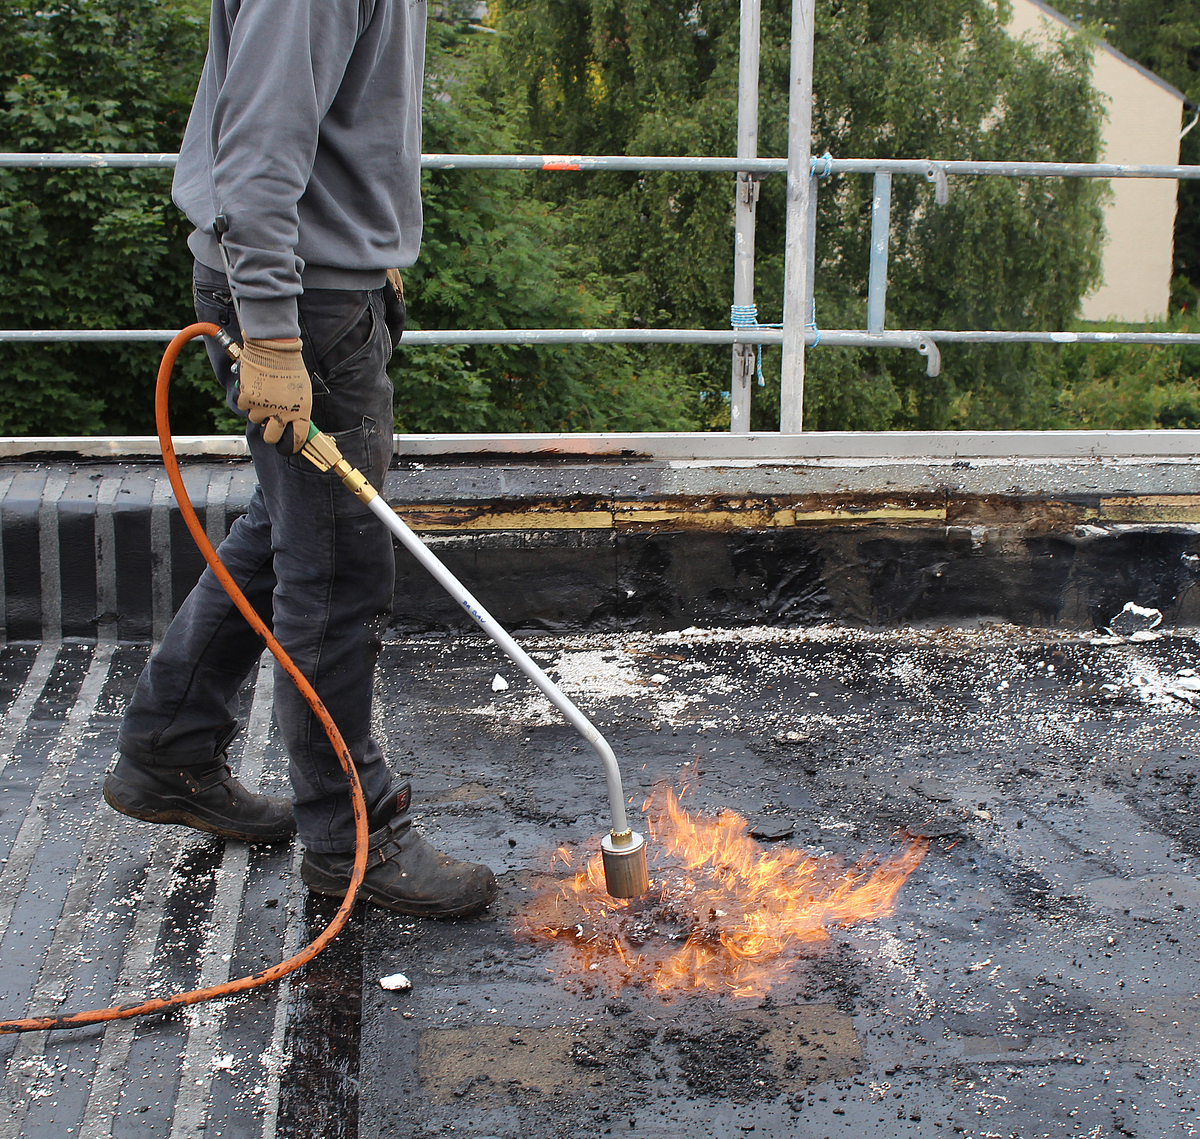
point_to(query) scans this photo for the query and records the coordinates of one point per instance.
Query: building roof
(1056, 15)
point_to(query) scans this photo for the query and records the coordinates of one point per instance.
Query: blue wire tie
(746, 317)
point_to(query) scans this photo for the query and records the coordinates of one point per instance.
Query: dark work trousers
(314, 562)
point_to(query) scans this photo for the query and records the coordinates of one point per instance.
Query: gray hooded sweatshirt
(306, 135)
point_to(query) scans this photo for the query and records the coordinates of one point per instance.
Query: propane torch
(623, 849)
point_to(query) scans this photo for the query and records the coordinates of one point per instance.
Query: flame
(723, 915)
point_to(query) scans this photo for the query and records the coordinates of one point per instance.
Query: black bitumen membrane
(1038, 976)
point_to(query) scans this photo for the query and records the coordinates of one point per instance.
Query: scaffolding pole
(931, 170)
(881, 230)
(799, 189)
(719, 337)
(744, 355)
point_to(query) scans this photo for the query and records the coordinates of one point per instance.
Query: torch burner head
(625, 872)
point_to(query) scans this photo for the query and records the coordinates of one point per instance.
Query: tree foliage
(892, 79)
(93, 249)
(496, 256)
(106, 248)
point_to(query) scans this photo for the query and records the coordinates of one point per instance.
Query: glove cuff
(294, 345)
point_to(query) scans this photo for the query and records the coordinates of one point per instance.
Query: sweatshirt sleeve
(285, 63)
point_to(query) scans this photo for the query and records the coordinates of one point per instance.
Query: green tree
(87, 248)
(106, 248)
(892, 79)
(495, 256)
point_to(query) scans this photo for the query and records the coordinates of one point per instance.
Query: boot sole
(196, 822)
(332, 888)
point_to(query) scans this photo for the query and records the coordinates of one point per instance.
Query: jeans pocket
(371, 347)
(360, 446)
(213, 305)
(346, 348)
(334, 325)
(211, 296)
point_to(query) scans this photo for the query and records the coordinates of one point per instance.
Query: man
(302, 159)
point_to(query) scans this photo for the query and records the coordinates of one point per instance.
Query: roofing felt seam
(105, 538)
(48, 549)
(112, 1061)
(205, 1021)
(161, 508)
(51, 989)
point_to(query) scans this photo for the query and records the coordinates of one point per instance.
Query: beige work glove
(273, 386)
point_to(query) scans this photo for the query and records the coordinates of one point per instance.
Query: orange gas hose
(241, 984)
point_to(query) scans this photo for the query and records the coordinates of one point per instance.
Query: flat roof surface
(1038, 975)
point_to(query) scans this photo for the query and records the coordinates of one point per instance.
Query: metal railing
(803, 173)
(700, 164)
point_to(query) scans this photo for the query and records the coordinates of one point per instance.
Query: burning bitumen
(723, 914)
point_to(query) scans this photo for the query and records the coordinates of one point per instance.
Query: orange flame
(723, 915)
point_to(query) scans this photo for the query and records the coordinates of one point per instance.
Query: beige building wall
(1142, 128)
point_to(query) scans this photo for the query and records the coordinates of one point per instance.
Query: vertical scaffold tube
(799, 174)
(745, 208)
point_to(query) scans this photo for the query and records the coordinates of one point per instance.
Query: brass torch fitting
(355, 481)
(323, 453)
(232, 348)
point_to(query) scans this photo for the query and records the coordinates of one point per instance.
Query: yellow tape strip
(1152, 508)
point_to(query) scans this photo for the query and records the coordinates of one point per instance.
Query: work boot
(404, 873)
(206, 798)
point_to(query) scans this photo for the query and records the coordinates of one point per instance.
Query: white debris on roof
(815, 670)
(1154, 686)
(1135, 621)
